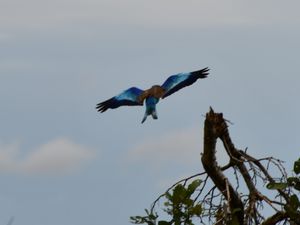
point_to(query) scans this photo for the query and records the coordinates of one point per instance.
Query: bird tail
(150, 108)
(145, 117)
(154, 114)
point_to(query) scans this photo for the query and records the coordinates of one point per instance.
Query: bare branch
(276, 218)
(213, 127)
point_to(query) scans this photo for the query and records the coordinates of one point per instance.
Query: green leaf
(178, 190)
(294, 182)
(196, 210)
(234, 221)
(179, 194)
(152, 217)
(236, 210)
(294, 202)
(279, 185)
(162, 222)
(297, 186)
(297, 166)
(188, 202)
(167, 204)
(169, 196)
(193, 186)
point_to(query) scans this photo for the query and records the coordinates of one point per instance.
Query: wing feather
(129, 97)
(181, 80)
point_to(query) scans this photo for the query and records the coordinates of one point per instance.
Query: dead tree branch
(213, 129)
(222, 199)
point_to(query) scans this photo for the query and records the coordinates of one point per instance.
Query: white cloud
(59, 156)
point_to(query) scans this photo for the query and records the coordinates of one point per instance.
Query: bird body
(135, 96)
(151, 108)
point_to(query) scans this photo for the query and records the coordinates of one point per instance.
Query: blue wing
(127, 97)
(181, 80)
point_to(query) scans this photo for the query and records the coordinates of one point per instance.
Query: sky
(63, 163)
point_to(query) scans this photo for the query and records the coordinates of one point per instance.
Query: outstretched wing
(181, 80)
(127, 97)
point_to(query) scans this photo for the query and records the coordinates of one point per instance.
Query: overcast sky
(62, 163)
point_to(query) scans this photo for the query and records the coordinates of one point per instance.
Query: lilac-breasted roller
(135, 96)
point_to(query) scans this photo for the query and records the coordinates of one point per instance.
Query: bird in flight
(135, 96)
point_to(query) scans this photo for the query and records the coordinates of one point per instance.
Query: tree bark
(214, 127)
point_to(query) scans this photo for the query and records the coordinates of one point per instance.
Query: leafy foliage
(149, 219)
(277, 185)
(297, 166)
(182, 205)
(179, 205)
(293, 182)
(292, 207)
